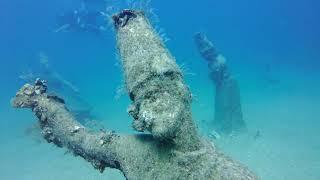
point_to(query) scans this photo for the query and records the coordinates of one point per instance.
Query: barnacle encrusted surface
(161, 100)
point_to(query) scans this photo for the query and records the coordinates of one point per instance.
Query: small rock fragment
(76, 129)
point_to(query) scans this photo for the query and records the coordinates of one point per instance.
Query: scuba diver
(80, 108)
(82, 20)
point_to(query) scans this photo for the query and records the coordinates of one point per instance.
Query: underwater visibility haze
(150, 89)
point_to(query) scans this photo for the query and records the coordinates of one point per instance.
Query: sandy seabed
(288, 118)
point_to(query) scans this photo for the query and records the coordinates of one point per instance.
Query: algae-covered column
(228, 112)
(161, 100)
(59, 127)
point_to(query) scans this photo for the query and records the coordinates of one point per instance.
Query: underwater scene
(159, 89)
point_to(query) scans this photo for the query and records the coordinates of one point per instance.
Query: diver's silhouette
(82, 20)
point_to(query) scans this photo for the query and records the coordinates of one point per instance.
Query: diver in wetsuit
(79, 107)
(82, 20)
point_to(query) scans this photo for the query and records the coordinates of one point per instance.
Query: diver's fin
(62, 28)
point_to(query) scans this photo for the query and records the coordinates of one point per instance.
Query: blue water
(278, 39)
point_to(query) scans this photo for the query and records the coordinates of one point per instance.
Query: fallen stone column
(228, 112)
(59, 127)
